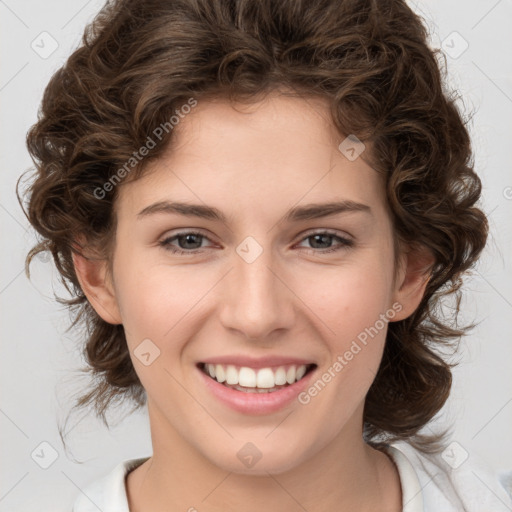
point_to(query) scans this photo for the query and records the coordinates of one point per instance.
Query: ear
(97, 286)
(412, 279)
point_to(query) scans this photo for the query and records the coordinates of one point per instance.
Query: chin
(250, 460)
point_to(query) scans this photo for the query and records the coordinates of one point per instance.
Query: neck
(346, 474)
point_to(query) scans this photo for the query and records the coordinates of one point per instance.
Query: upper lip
(257, 362)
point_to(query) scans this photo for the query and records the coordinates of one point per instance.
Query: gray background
(40, 360)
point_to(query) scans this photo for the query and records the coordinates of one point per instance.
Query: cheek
(162, 302)
(354, 336)
(155, 300)
(350, 300)
(159, 307)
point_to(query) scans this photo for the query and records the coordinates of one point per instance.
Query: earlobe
(412, 280)
(96, 285)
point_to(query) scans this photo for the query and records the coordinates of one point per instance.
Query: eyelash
(166, 243)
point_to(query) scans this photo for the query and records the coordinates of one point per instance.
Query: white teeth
(262, 378)
(231, 374)
(247, 377)
(220, 374)
(280, 376)
(301, 370)
(265, 378)
(290, 375)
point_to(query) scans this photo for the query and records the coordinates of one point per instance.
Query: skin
(254, 163)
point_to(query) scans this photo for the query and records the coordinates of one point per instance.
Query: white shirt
(429, 484)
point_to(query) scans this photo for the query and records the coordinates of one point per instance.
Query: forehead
(279, 151)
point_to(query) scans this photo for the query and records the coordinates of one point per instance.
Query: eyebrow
(298, 213)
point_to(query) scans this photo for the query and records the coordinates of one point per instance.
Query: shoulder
(107, 493)
(451, 481)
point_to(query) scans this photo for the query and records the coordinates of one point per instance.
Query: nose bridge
(258, 302)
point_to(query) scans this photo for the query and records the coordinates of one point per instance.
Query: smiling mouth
(256, 380)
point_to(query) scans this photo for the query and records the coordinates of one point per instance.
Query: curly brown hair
(142, 59)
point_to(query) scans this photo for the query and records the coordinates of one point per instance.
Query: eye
(323, 237)
(185, 239)
(190, 242)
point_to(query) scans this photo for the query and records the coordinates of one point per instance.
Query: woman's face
(262, 284)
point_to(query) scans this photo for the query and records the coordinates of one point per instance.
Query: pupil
(320, 237)
(187, 237)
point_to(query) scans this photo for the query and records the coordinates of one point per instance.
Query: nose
(257, 299)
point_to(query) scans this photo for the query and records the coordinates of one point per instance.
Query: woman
(278, 371)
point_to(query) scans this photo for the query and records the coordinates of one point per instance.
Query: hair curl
(142, 59)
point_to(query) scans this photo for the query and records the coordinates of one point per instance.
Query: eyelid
(345, 240)
(325, 231)
(185, 231)
(299, 237)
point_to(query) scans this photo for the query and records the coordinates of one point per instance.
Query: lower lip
(256, 403)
